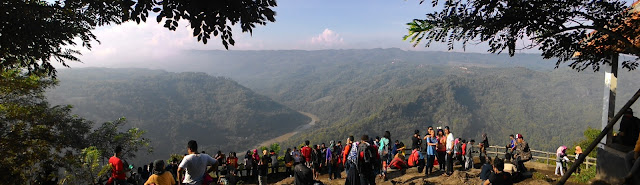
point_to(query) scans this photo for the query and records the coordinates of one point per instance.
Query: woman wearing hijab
(578, 154)
(561, 157)
(160, 176)
(248, 162)
(256, 159)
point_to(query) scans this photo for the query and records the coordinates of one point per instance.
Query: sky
(300, 25)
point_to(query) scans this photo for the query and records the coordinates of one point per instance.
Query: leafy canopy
(585, 32)
(34, 32)
(37, 139)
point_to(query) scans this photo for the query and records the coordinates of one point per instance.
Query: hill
(549, 108)
(176, 107)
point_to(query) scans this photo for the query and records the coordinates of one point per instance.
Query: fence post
(547, 156)
(587, 163)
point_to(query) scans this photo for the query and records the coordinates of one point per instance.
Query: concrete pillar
(609, 98)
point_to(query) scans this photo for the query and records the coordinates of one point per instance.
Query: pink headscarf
(561, 150)
(255, 155)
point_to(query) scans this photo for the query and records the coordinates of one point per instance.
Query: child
(469, 155)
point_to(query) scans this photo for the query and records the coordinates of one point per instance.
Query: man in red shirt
(117, 168)
(306, 153)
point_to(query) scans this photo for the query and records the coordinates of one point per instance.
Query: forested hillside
(549, 108)
(176, 107)
(375, 88)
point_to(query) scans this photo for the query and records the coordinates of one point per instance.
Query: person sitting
(499, 177)
(303, 175)
(523, 153)
(486, 170)
(629, 128)
(398, 162)
(160, 176)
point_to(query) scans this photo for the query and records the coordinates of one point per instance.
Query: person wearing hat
(160, 176)
(629, 128)
(523, 153)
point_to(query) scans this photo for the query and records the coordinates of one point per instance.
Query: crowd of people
(362, 160)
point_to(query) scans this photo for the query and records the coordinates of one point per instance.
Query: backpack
(353, 153)
(370, 161)
(335, 156)
(413, 158)
(385, 149)
(457, 147)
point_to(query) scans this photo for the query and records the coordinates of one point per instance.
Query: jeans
(430, 160)
(334, 171)
(441, 160)
(450, 163)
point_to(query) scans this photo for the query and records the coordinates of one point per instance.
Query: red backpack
(413, 158)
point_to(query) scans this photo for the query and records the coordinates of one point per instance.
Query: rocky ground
(539, 174)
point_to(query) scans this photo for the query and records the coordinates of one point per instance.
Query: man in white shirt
(195, 165)
(449, 147)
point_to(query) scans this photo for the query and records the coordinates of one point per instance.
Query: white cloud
(327, 38)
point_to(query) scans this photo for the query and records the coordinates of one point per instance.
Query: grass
(585, 175)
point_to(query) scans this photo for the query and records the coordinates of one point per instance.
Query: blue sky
(300, 25)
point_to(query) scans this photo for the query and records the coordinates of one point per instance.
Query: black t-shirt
(415, 142)
(303, 175)
(502, 178)
(486, 172)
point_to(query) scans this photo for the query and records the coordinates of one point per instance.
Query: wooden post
(547, 156)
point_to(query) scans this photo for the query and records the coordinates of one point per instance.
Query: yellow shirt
(164, 179)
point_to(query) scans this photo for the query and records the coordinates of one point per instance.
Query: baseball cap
(519, 136)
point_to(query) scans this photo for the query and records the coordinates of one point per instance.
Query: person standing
(118, 171)
(332, 161)
(561, 157)
(449, 145)
(578, 154)
(383, 150)
(256, 159)
(288, 162)
(367, 160)
(431, 141)
(263, 168)
(469, 155)
(345, 155)
(523, 153)
(441, 150)
(483, 147)
(248, 162)
(195, 165)
(297, 156)
(306, 153)
(160, 176)
(274, 162)
(415, 140)
(232, 163)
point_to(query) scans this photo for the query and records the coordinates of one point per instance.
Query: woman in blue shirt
(431, 141)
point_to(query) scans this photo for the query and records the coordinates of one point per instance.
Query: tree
(585, 32)
(35, 138)
(34, 32)
(38, 140)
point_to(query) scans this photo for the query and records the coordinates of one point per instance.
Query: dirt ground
(545, 175)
